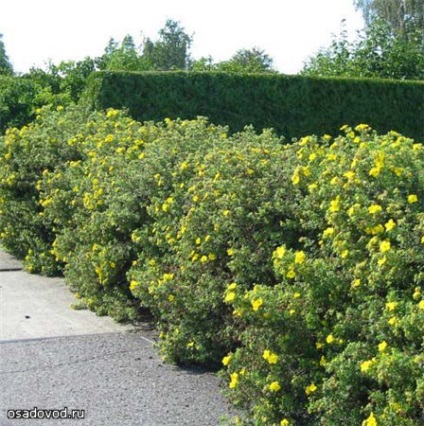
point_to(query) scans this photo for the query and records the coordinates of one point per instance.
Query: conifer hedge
(292, 105)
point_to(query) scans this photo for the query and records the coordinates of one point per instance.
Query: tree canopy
(403, 15)
(390, 46)
(5, 66)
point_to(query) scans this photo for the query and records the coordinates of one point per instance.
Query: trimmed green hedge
(292, 105)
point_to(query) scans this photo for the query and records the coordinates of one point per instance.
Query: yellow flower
(370, 421)
(385, 246)
(232, 286)
(329, 339)
(390, 225)
(274, 386)
(226, 360)
(279, 252)
(234, 380)
(167, 277)
(291, 274)
(328, 232)
(375, 171)
(310, 389)
(375, 208)
(284, 422)
(417, 293)
(362, 128)
(171, 297)
(421, 304)
(334, 181)
(269, 356)
(230, 296)
(391, 306)
(334, 205)
(212, 256)
(344, 254)
(134, 285)
(296, 295)
(299, 257)
(382, 346)
(295, 178)
(349, 175)
(378, 229)
(412, 198)
(230, 252)
(204, 259)
(356, 283)
(392, 321)
(382, 261)
(111, 113)
(257, 303)
(366, 365)
(312, 187)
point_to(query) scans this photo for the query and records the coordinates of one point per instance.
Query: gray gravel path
(52, 357)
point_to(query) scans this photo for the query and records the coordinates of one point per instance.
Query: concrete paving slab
(33, 306)
(8, 262)
(52, 357)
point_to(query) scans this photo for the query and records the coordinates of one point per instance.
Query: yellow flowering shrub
(218, 235)
(350, 345)
(26, 155)
(298, 268)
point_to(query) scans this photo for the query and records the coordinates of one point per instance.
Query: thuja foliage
(298, 266)
(292, 105)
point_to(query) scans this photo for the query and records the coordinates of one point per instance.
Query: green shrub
(98, 204)
(303, 264)
(340, 339)
(26, 155)
(293, 106)
(16, 101)
(220, 223)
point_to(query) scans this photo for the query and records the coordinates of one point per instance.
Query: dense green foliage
(402, 15)
(20, 96)
(291, 105)
(301, 264)
(253, 60)
(5, 65)
(378, 52)
(16, 101)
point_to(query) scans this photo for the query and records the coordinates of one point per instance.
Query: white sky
(36, 31)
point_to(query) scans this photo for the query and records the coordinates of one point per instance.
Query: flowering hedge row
(299, 267)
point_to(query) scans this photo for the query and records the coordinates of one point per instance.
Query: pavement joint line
(78, 361)
(11, 269)
(36, 339)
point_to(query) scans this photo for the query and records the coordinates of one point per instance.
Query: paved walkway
(52, 357)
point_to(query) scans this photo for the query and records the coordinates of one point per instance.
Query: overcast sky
(36, 31)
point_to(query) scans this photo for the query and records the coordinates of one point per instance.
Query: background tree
(403, 15)
(5, 66)
(124, 57)
(172, 49)
(244, 60)
(248, 60)
(378, 52)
